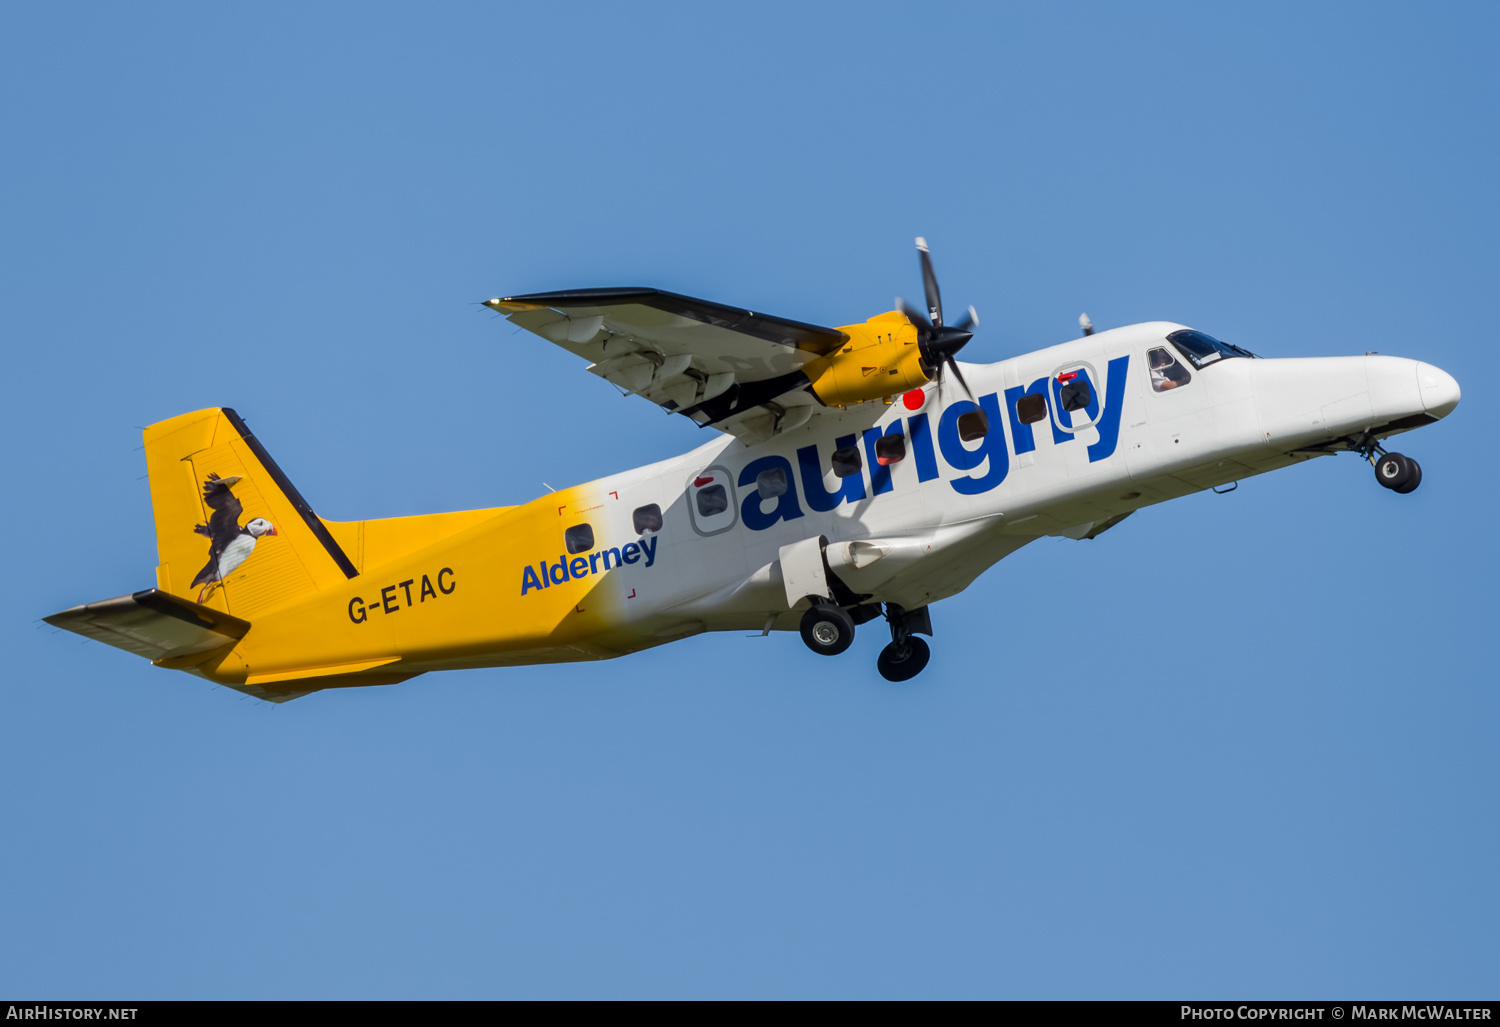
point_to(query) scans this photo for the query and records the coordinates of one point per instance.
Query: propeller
(938, 343)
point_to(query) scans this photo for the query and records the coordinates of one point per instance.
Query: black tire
(1394, 471)
(898, 664)
(827, 630)
(1416, 478)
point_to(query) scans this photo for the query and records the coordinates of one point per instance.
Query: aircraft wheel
(902, 663)
(827, 630)
(1416, 478)
(1396, 472)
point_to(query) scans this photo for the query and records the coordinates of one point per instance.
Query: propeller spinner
(938, 343)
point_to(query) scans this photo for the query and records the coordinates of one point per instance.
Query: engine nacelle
(880, 360)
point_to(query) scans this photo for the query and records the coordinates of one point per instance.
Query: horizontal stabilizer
(153, 624)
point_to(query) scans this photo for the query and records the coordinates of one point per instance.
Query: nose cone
(1440, 393)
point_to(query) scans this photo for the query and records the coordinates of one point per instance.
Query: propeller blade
(914, 316)
(938, 345)
(937, 379)
(929, 281)
(960, 376)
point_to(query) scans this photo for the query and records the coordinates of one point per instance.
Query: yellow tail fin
(231, 530)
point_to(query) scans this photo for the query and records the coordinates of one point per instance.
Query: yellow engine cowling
(880, 360)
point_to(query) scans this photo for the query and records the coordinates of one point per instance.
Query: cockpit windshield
(1202, 349)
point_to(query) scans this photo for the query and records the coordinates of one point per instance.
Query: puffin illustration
(229, 544)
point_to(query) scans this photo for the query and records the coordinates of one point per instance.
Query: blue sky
(1240, 746)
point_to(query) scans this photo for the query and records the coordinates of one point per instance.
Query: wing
(727, 367)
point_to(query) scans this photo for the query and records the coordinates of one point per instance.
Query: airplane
(854, 473)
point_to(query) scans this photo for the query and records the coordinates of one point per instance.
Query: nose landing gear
(1400, 474)
(903, 662)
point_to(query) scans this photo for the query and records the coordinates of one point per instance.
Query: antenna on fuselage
(1085, 324)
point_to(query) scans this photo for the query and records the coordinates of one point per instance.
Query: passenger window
(1031, 408)
(647, 519)
(890, 449)
(1166, 373)
(973, 425)
(847, 461)
(712, 500)
(771, 484)
(579, 538)
(1076, 395)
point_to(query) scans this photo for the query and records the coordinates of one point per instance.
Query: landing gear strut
(907, 654)
(1398, 473)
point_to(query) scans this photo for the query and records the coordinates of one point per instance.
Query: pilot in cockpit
(1166, 373)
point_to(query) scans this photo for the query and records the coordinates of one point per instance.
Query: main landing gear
(829, 630)
(1398, 473)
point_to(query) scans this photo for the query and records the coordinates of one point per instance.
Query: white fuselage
(924, 527)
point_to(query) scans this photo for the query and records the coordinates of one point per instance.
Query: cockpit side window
(1202, 349)
(1166, 373)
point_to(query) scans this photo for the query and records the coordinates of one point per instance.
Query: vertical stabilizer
(232, 532)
